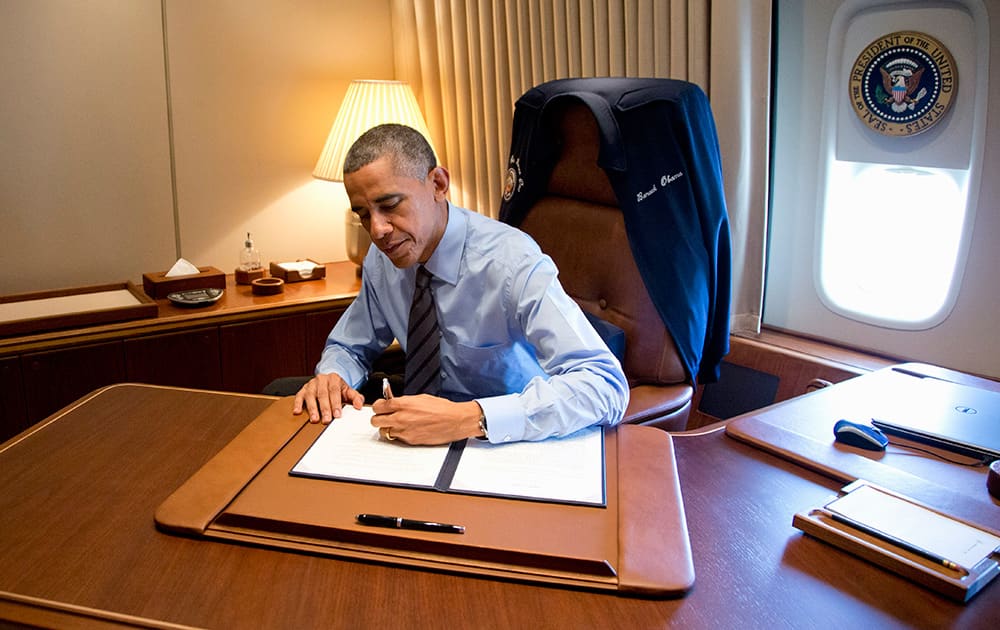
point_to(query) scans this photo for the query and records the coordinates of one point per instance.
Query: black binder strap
(447, 472)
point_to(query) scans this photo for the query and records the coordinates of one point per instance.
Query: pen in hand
(386, 394)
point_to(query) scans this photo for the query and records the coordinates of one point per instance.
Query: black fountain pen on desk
(398, 522)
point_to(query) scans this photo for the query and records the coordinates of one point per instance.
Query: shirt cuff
(504, 418)
(350, 374)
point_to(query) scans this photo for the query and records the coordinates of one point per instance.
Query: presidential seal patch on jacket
(903, 83)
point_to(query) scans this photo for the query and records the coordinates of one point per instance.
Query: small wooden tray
(28, 313)
(960, 584)
(157, 285)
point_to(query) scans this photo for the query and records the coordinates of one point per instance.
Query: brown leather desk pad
(638, 544)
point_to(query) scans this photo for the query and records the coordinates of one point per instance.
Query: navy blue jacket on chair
(660, 151)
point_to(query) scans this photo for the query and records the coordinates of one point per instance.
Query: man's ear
(441, 180)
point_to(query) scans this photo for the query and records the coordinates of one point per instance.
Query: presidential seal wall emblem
(903, 83)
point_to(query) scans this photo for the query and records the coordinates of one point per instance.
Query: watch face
(196, 297)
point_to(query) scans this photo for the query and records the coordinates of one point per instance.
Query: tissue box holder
(291, 275)
(157, 285)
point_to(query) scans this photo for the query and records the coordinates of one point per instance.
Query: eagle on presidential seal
(900, 79)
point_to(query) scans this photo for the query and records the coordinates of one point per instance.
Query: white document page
(569, 469)
(928, 530)
(350, 448)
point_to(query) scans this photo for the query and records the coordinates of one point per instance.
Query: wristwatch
(483, 426)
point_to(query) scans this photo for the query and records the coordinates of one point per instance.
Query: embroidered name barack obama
(666, 179)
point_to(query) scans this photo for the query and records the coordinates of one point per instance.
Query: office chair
(574, 215)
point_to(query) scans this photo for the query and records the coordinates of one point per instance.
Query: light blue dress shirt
(511, 338)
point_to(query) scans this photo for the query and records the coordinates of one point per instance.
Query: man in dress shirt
(519, 360)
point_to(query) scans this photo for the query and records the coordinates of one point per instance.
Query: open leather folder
(637, 544)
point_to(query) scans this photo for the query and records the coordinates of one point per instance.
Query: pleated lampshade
(367, 104)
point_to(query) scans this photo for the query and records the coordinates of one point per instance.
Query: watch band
(483, 427)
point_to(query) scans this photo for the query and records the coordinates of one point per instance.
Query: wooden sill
(822, 351)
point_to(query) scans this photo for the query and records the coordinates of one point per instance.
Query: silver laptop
(955, 417)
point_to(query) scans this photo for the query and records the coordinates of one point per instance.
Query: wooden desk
(78, 493)
(239, 344)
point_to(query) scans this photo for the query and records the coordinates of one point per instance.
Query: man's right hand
(324, 397)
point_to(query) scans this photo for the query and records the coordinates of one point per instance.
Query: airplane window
(890, 243)
(882, 224)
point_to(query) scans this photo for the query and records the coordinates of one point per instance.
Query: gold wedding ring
(387, 435)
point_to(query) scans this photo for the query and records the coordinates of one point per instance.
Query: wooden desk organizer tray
(952, 575)
(637, 544)
(278, 270)
(157, 285)
(28, 313)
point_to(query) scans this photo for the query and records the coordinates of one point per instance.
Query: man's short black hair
(409, 151)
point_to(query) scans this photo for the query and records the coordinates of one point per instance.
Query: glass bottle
(249, 256)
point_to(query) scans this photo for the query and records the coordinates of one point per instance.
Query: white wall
(87, 193)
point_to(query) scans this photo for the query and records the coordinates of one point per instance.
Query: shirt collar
(447, 257)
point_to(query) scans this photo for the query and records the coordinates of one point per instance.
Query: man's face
(404, 216)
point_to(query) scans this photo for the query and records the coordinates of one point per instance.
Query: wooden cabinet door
(13, 418)
(255, 353)
(318, 327)
(55, 378)
(182, 359)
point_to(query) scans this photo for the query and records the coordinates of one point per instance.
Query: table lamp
(366, 105)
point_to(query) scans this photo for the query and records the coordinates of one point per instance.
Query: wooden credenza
(239, 344)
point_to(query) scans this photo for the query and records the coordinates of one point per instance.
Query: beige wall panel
(85, 192)
(255, 86)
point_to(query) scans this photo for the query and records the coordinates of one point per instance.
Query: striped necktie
(423, 360)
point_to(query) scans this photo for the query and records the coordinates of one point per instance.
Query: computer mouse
(861, 435)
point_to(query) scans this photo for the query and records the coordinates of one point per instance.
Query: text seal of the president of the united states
(903, 83)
